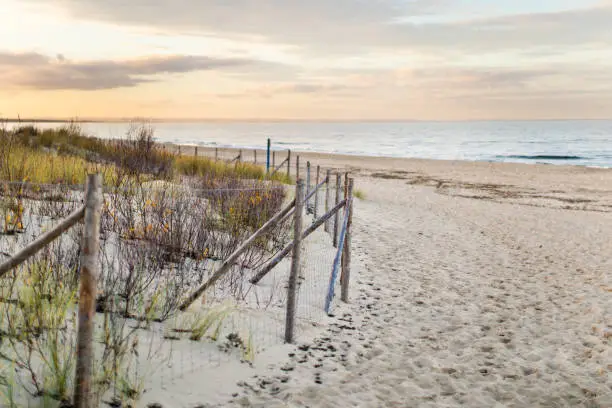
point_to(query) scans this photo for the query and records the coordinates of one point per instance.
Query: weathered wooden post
(337, 217)
(239, 155)
(346, 178)
(288, 164)
(345, 195)
(254, 156)
(90, 247)
(295, 262)
(196, 152)
(346, 186)
(327, 198)
(274, 160)
(179, 150)
(216, 153)
(345, 277)
(308, 186)
(297, 167)
(316, 197)
(269, 146)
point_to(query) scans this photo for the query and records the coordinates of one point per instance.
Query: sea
(568, 142)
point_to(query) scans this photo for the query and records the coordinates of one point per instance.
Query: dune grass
(204, 167)
(359, 194)
(66, 154)
(25, 164)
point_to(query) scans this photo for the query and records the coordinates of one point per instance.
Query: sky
(306, 60)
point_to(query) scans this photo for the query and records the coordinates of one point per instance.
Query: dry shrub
(166, 240)
(159, 242)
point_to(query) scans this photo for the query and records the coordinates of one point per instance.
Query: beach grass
(64, 155)
(359, 194)
(205, 167)
(162, 230)
(25, 164)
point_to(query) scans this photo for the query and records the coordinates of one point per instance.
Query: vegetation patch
(167, 221)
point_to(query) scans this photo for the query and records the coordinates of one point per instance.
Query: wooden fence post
(268, 146)
(337, 217)
(179, 150)
(346, 192)
(295, 262)
(90, 248)
(196, 152)
(288, 164)
(273, 160)
(216, 153)
(308, 186)
(346, 251)
(327, 198)
(239, 155)
(316, 197)
(255, 156)
(297, 167)
(346, 179)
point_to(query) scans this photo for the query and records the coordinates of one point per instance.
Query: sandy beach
(477, 284)
(306, 204)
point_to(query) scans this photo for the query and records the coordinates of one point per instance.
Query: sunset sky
(309, 59)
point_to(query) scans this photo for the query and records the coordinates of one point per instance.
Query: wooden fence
(90, 213)
(270, 163)
(341, 234)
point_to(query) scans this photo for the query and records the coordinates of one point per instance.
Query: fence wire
(157, 245)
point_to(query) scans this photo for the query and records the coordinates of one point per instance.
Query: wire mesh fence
(159, 241)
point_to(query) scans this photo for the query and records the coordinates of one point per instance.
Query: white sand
(499, 300)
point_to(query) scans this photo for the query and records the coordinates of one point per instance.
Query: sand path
(461, 302)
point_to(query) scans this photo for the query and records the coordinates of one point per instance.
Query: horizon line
(272, 120)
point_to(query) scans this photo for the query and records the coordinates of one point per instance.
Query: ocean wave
(543, 157)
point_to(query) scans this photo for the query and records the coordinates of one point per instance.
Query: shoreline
(344, 160)
(554, 186)
(560, 156)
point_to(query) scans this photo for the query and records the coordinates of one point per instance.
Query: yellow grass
(205, 167)
(37, 166)
(359, 194)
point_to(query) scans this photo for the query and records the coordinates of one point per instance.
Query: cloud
(338, 89)
(520, 93)
(395, 54)
(482, 77)
(22, 59)
(37, 71)
(350, 25)
(558, 81)
(310, 88)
